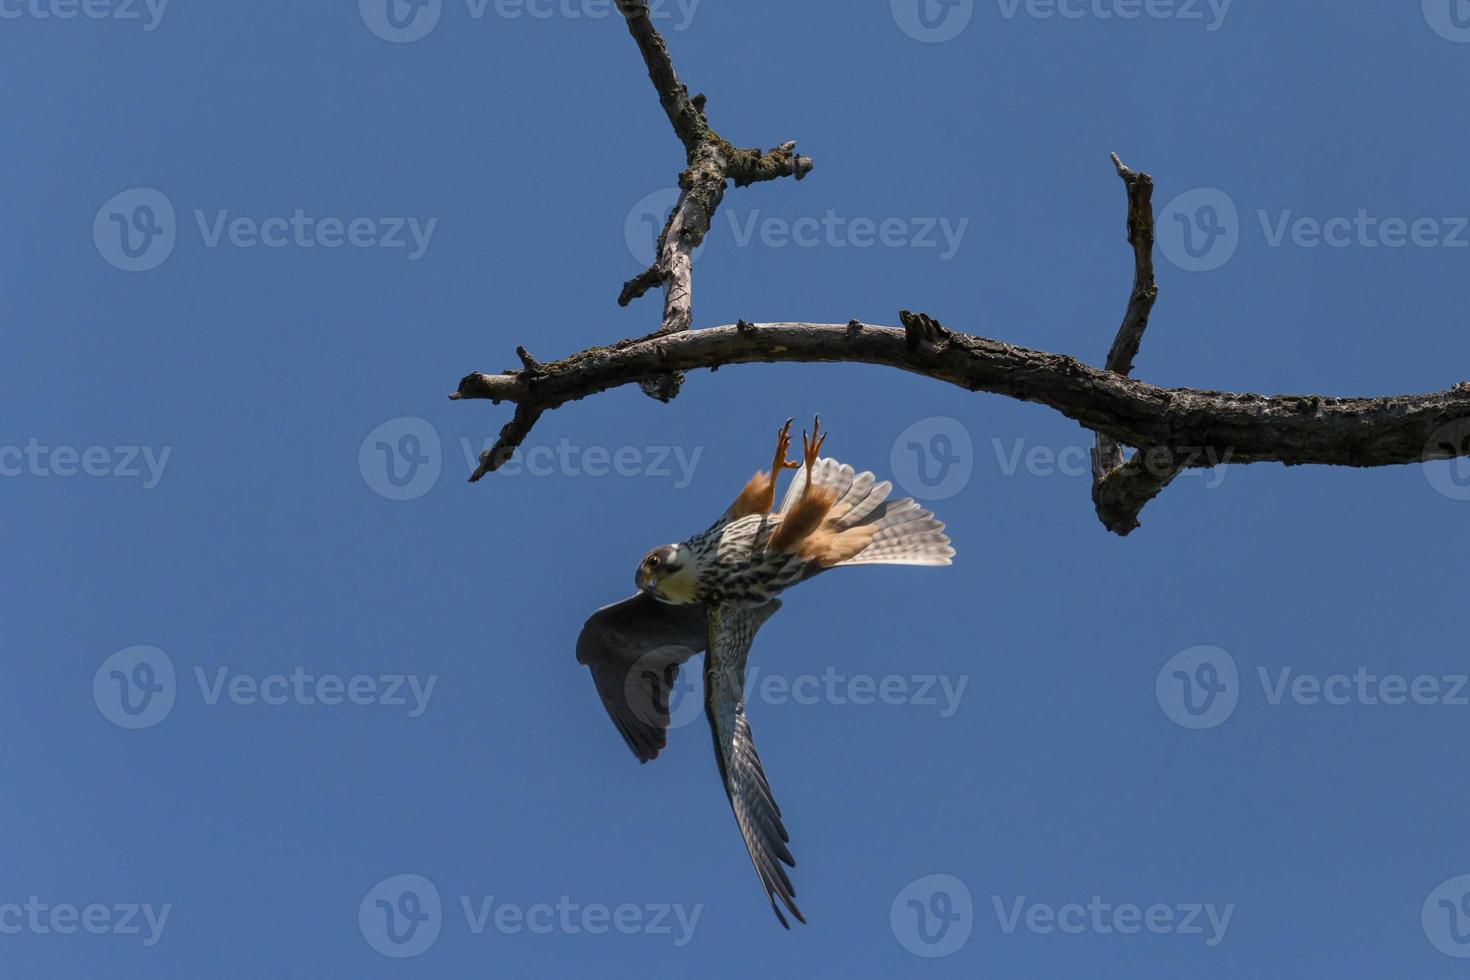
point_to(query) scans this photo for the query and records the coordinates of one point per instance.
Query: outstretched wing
(732, 629)
(634, 649)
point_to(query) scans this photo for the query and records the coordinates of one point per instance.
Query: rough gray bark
(711, 162)
(1120, 491)
(1173, 428)
(1289, 429)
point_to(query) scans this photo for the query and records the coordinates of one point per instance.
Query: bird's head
(668, 572)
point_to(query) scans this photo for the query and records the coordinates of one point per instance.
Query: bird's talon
(812, 445)
(783, 444)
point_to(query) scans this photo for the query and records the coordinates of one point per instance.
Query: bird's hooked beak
(661, 574)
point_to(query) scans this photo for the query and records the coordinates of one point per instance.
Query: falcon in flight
(713, 591)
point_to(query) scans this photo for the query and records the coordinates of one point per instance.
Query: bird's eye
(653, 561)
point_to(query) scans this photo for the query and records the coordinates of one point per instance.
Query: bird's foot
(783, 444)
(812, 446)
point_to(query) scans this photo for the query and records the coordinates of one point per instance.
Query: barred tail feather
(904, 533)
(907, 535)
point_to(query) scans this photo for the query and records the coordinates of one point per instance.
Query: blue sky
(360, 674)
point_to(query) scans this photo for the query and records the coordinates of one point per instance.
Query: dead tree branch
(1196, 424)
(1119, 492)
(1173, 429)
(711, 161)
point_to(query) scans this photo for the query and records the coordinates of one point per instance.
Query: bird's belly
(754, 580)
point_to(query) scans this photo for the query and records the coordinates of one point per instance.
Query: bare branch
(747, 167)
(685, 114)
(1119, 492)
(1199, 428)
(511, 435)
(711, 161)
(1174, 428)
(1145, 288)
(1122, 492)
(647, 279)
